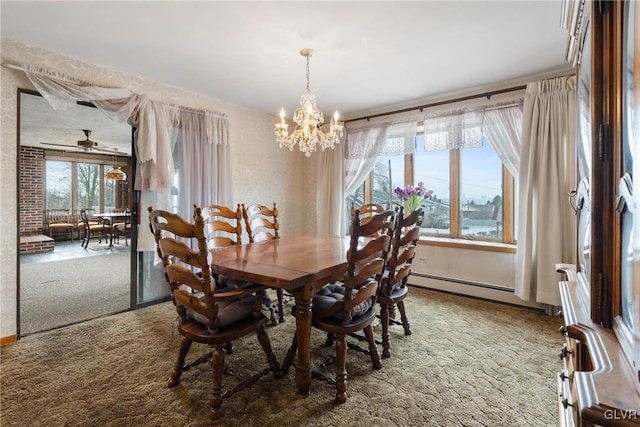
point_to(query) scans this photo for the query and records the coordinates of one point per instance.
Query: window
(76, 185)
(480, 193)
(387, 174)
(627, 190)
(88, 186)
(433, 168)
(473, 194)
(58, 184)
(469, 192)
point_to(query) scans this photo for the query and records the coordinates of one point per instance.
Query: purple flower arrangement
(413, 196)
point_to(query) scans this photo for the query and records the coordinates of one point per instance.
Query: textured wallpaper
(262, 172)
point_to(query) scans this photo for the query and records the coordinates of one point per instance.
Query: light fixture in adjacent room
(308, 134)
(116, 174)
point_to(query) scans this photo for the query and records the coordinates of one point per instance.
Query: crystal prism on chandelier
(308, 119)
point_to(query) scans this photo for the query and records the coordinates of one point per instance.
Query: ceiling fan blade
(58, 145)
(106, 151)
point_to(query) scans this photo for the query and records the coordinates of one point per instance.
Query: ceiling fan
(87, 145)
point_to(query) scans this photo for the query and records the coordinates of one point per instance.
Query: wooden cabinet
(600, 380)
(597, 385)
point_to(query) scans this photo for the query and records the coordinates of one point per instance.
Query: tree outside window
(58, 177)
(88, 186)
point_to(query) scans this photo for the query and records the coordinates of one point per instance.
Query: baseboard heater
(463, 282)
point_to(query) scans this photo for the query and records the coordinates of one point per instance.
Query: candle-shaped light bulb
(309, 109)
(282, 116)
(335, 117)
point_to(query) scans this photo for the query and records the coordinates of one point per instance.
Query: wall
(32, 190)
(483, 274)
(262, 172)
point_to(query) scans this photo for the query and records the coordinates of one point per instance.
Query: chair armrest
(365, 291)
(236, 293)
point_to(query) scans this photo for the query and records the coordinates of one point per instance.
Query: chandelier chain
(308, 90)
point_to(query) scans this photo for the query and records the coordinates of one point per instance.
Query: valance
(154, 121)
(456, 129)
(387, 140)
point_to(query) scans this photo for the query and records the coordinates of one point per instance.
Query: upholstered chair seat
(229, 312)
(329, 303)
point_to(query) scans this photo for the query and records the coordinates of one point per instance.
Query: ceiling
(42, 126)
(369, 55)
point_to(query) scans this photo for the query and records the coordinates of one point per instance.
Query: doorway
(65, 158)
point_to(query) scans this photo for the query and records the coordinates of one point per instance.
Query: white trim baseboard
(474, 289)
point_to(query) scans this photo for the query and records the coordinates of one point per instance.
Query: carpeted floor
(58, 293)
(469, 362)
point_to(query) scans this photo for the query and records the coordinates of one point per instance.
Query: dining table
(113, 217)
(300, 265)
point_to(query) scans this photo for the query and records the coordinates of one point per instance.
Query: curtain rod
(216, 114)
(488, 95)
(8, 65)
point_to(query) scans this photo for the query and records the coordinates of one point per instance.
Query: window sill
(478, 245)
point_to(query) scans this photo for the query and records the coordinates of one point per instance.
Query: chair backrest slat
(57, 215)
(222, 226)
(261, 222)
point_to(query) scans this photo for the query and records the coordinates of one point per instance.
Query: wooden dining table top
(287, 263)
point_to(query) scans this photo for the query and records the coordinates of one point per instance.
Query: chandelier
(308, 119)
(116, 174)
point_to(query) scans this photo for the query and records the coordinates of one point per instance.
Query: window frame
(454, 239)
(103, 162)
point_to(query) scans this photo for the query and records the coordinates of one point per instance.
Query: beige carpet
(59, 293)
(468, 363)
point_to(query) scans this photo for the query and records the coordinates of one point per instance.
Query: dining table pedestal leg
(303, 333)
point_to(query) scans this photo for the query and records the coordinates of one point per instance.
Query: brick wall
(36, 244)
(31, 190)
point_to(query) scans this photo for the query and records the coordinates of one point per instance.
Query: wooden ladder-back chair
(92, 228)
(262, 224)
(222, 228)
(59, 222)
(394, 282)
(342, 309)
(367, 211)
(210, 316)
(123, 226)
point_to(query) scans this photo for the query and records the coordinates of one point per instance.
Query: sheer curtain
(203, 135)
(546, 223)
(460, 128)
(202, 158)
(366, 144)
(502, 127)
(343, 169)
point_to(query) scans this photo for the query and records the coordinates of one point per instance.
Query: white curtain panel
(330, 192)
(503, 128)
(546, 222)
